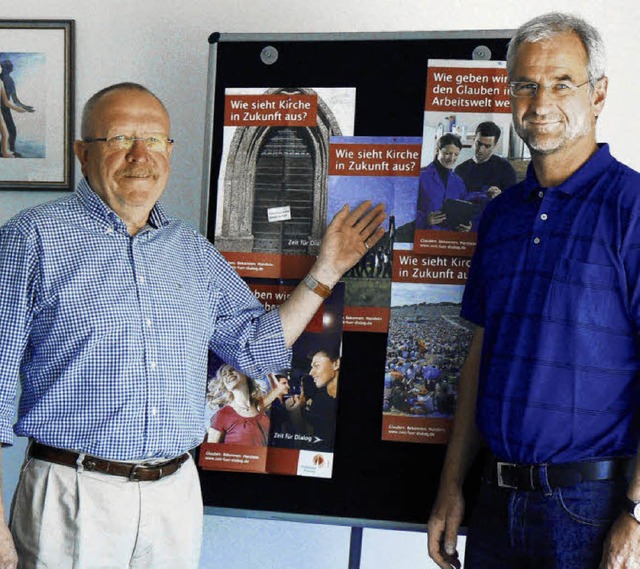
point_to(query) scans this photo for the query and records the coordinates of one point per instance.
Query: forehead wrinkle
(560, 76)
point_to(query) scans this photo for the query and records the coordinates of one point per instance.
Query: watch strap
(632, 508)
(314, 285)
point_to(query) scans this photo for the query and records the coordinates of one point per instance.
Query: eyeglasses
(123, 142)
(558, 90)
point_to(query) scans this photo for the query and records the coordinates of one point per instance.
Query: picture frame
(37, 104)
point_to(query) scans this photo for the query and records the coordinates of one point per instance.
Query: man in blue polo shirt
(550, 382)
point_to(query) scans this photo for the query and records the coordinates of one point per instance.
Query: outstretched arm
(8, 103)
(348, 237)
(14, 98)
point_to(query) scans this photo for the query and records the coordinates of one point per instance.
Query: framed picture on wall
(36, 104)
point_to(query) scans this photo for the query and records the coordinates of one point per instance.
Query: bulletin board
(375, 483)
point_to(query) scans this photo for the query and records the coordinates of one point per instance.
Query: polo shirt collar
(591, 170)
(98, 208)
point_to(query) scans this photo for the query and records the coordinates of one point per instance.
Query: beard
(542, 143)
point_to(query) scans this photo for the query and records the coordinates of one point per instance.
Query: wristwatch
(633, 509)
(316, 286)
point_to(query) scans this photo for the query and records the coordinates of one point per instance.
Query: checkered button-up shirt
(109, 334)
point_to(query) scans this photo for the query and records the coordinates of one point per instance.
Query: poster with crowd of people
(469, 156)
(290, 161)
(285, 422)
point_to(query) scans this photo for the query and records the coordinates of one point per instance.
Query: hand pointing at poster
(348, 237)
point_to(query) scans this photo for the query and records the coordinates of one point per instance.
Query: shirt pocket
(582, 293)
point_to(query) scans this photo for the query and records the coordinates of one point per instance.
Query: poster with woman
(285, 422)
(469, 153)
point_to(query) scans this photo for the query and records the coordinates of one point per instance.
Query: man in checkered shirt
(108, 310)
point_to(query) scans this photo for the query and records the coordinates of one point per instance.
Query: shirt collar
(98, 208)
(590, 170)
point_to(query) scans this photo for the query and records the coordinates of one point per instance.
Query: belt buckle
(501, 482)
(133, 475)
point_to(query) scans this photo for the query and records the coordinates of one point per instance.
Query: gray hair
(552, 24)
(90, 105)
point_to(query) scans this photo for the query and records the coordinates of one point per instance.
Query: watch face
(636, 512)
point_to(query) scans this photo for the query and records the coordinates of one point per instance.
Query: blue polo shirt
(555, 284)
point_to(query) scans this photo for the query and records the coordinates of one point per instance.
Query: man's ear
(80, 150)
(599, 95)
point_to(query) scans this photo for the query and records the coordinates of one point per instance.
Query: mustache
(137, 171)
(537, 116)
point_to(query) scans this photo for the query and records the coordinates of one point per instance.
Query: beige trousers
(63, 518)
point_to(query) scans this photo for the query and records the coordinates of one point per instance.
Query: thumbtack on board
(481, 52)
(269, 55)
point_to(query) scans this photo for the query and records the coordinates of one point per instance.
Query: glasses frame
(131, 139)
(571, 89)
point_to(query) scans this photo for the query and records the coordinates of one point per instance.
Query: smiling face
(232, 378)
(323, 370)
(129, 181)
(550, 125)
(447, 155)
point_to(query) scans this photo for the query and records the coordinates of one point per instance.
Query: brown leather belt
(134, 472)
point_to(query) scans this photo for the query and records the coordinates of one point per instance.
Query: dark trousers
(562, 528)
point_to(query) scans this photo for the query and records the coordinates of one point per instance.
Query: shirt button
(540, 194)
(153, 365)
(109, 231)
(154, 411)
(141, 280)
(148, 322)
(536, 240)
(544, 217)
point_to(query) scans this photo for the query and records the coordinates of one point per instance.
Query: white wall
(163, 44)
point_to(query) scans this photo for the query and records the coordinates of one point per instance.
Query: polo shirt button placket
(543, 217)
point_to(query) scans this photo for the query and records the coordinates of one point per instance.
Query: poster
(284, 423)
(383, 170)
(426, 346)
(272, 186)
(460, 95)
(468, 157)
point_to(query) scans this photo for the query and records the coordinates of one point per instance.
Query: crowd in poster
(290, 161)
(283, 423)
(467, 160)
